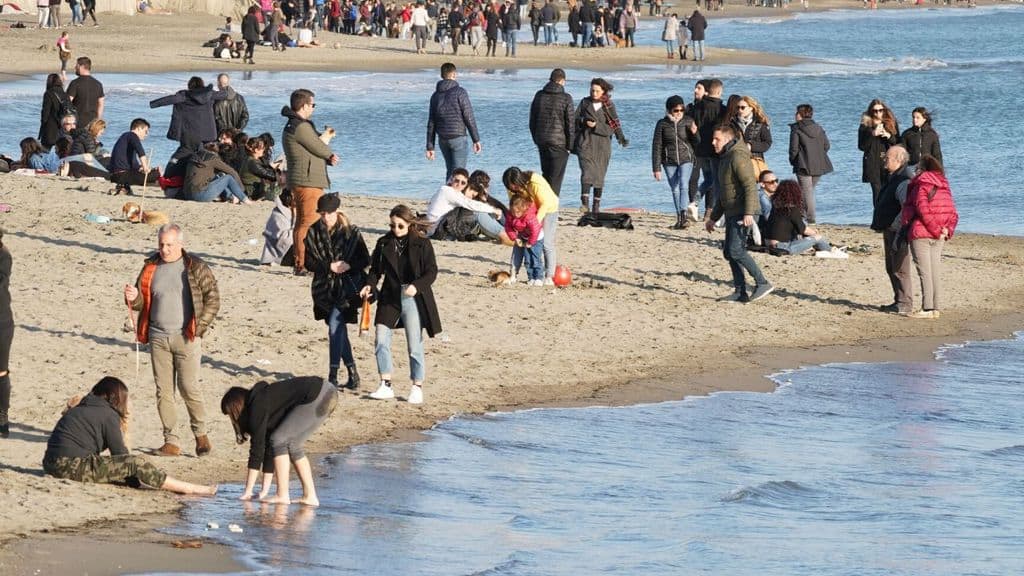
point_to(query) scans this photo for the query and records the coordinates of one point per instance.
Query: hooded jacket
(231, 112)
(551, 117)
(673, 143)
(451, 114)
(808, 148)
(202, 168)
(192, 118)
(737, 184)
(87, 430)
(306, 154)
(707, 112)
(925, 215)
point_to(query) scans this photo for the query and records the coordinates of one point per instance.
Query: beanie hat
(328, 203)
(674, 102)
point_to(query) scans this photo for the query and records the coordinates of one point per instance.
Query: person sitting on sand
(96, 424)
(208, 178)
(451, 197)
(35, 157)
(276, 419)
(258, 178)
(277, 234)
(787, 232)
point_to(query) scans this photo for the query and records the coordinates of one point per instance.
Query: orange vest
(145, 287)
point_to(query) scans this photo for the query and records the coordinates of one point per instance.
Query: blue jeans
(488, 225)
(76, 14)
(549, 34)
(455, 152)
(532, 257)
(510, 43)
(670, 47)
(550, 225)
(709, 169)
(223, 183)
(678, 177)
(802, 244)
(413, 336)
(588, 34)
(766, 204)
(698, 49)
(735, 251)
(338, 345)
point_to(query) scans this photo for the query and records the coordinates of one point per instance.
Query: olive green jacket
(306, 154)
(737, 184)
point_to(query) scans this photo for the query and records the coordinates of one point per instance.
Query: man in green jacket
(737, 201)
(307, 156)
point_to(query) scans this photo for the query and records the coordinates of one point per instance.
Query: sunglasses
(397, 226)
(767, 182)
(678, 110)
(878, 110)
(459, 181)
(743, 107)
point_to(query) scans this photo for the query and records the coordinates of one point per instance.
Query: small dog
(617, 40)
(133, 213)
(498, 277)
(328, 134)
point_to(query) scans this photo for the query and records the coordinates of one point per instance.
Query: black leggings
(6, 336)
(250, 46)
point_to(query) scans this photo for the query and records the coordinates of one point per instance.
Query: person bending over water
(94, 425)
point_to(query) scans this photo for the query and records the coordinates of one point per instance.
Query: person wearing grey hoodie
(808, 154)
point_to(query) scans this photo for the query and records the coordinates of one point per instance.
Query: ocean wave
(775, 494)
(1016, 451)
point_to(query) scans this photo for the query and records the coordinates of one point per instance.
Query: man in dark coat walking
(552, 128)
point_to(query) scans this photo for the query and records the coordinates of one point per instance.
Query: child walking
(64, 53)
(527, 236)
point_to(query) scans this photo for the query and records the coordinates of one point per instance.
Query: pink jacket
(927, 217)
(526, 226)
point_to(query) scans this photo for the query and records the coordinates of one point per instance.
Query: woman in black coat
(404, 258)
(54, 101)
(596, 122)
(878, 131)
(921, 139)
(337, 256)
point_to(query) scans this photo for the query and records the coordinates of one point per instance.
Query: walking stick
(135, 334)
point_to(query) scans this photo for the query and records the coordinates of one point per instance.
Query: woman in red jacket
(929, 217)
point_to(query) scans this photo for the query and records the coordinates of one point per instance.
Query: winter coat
(250, 28)
(673, 143)
(874, 147)
(231, 112)
(756, 134)
(594, 145)
(737, 184)
(192, 118)
(305, 153)
(202, 286)
(256, 176)
(697, 25)
(921, 141)
(808, 148)
(84, 143)
(384, 263)
(889, 207)
(707, 112)
(49, 118)
(526, 227)
(87, 430)
(202, 168)
(587, 12)
(574, 20)
(671, 30)
(551, 117)
(277, 234)
(332, 290)
(928, 216)
(451, 114)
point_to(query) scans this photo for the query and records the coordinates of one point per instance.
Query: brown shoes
(168, 449)
(203, 445)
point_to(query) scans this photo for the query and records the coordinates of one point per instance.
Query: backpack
(67, 108)
(613, 220)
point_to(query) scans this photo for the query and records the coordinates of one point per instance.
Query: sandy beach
(639, 324)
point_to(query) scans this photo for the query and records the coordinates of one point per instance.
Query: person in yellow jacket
(533, 185)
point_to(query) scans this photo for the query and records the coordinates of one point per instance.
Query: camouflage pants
(125, 469)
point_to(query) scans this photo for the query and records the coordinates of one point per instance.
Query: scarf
(610, 114)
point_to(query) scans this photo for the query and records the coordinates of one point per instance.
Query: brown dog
(133, 213)
(617, 40)
(498, 277)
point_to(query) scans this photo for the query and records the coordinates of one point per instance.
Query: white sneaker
(535, 283)
(384, 392)
(691, 211)
(415, 395)
(548, 282)
(833, 253)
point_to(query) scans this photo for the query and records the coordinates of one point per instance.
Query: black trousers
(250, 46)
(552, 165)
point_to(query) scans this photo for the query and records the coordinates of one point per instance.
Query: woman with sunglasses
(404, 257)
(675, 137)
(751, 121)
(878, 131)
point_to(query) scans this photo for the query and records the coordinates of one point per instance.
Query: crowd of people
(709, 149)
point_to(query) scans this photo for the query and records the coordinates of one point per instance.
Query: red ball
(562, 277)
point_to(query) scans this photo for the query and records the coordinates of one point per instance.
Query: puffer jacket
(551, 117)
(332, 290)
(231, 112)
(306, 154)
(202, 285)
(673, 143)
(921, 141)
(84, 143)
(707, 112)
(928, 216)
(451, 114)
(737, 184)
(757, 134)
(808, 148)
(192, 118)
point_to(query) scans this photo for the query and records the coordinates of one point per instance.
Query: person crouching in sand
(277, 419)
(94, 425)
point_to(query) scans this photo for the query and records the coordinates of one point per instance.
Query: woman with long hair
(536, 188)
(34, 156)
(55, 102)
(921, 138)
(96, 424)
(787, 232)
(337, 256)
(752, 123)
(929, 217)
(596, 123)
(6, 336)
(878, 131)
(672, 151)
(404, 259)
(277, 419)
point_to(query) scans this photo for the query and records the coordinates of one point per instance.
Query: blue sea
(965, 65)
(846, 469)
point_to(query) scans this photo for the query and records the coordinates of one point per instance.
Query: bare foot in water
(206, 490)
(278, 499)
(309, 501)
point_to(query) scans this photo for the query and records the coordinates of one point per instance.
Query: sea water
(965, 65)
(846, 469)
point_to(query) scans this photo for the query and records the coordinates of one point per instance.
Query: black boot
(5, 403)
(680, 221)
(353, 377)
(597, 200)
(332, 376)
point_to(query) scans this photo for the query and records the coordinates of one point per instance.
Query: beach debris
(263, 362)
(187, 543)
(97, 218)
(5, 208)
(212, 526)
(235, 528)
(253, 242)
